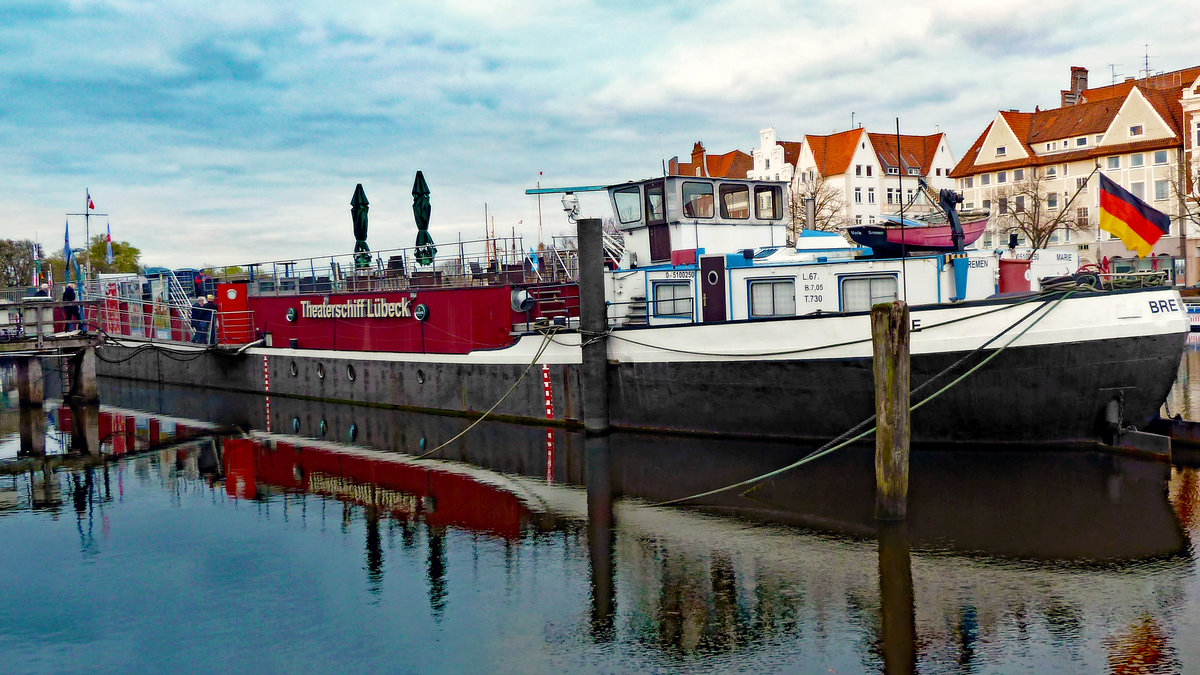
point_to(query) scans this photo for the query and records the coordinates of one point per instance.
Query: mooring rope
(822, 452)
(800, 350)
(541, 349)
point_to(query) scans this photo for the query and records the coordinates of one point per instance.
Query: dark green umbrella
(425, 248)
(358, 215)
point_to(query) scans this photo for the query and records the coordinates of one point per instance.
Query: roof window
(1135, 130)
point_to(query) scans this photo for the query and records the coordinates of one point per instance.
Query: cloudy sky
(226, 131)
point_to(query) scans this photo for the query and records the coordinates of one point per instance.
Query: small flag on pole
(108, 256)
(91, 206)
(1137, 224)
(37, 264)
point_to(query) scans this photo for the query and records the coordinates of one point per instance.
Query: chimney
(1079, 82)
(698, 157)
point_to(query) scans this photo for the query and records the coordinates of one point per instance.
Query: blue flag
(108, 256)
(67, 242)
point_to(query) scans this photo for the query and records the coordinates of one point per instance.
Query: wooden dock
(29, 333)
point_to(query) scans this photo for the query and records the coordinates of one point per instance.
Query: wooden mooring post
(593, 323)
(889, 336)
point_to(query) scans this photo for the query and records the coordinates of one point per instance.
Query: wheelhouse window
(673, 299)
(860, 293)
(656, 203)
(768, 202)
(775, 297)
(629, 203)
(697, 200)
(735, 201)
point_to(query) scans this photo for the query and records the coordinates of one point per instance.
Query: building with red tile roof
(875, 173)
(732, 164)
(1142, 133)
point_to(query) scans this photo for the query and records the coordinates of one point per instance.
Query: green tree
(126, 258)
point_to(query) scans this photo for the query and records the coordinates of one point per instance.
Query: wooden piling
(593, 323)
(890, 338)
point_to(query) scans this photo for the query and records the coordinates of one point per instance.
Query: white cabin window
(768, 203)
(772, 298)
(673, 299)
(860, 293)
(629, 204)
(735, 201)
(697, 200)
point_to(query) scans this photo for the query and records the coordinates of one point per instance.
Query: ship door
(712, 288)
(656, 221)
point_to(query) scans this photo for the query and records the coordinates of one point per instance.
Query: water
(193, 547)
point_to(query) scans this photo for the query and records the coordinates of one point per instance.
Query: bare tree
(830, 206)
(16, 262)
(1185, 191)
(1029, 208)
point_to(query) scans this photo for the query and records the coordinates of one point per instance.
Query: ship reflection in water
(151, 541)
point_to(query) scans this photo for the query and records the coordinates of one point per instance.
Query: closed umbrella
(358, 215)
(425, 248)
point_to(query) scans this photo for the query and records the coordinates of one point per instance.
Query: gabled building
(733, 164)
(874, 173)
(1140, 133)
(774, 159)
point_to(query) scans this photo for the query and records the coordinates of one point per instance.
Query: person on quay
(200, 316)
(211, 305)
(43, 291)
(71, 312)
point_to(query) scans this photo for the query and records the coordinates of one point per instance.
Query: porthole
(713, 278)
(353, 432)
(296, 425)
(321, 370)
(350, 374)
(420, 377)
(295, 369)
(323, 427)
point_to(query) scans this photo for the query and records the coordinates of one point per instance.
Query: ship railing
(483, 262)
(119, 317)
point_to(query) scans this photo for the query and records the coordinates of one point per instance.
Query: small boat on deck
(926, 234)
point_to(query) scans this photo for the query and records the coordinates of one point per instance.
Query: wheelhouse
(662, 216)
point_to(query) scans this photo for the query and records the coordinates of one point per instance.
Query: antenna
(1112, 67)
(851, 119)
(1147, 60)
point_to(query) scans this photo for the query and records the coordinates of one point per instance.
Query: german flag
(1137, 224)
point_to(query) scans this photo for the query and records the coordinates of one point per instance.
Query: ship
(719, 323)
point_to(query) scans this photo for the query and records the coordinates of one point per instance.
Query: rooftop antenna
(1147, 60)
(851, 119)
(1112, 67)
